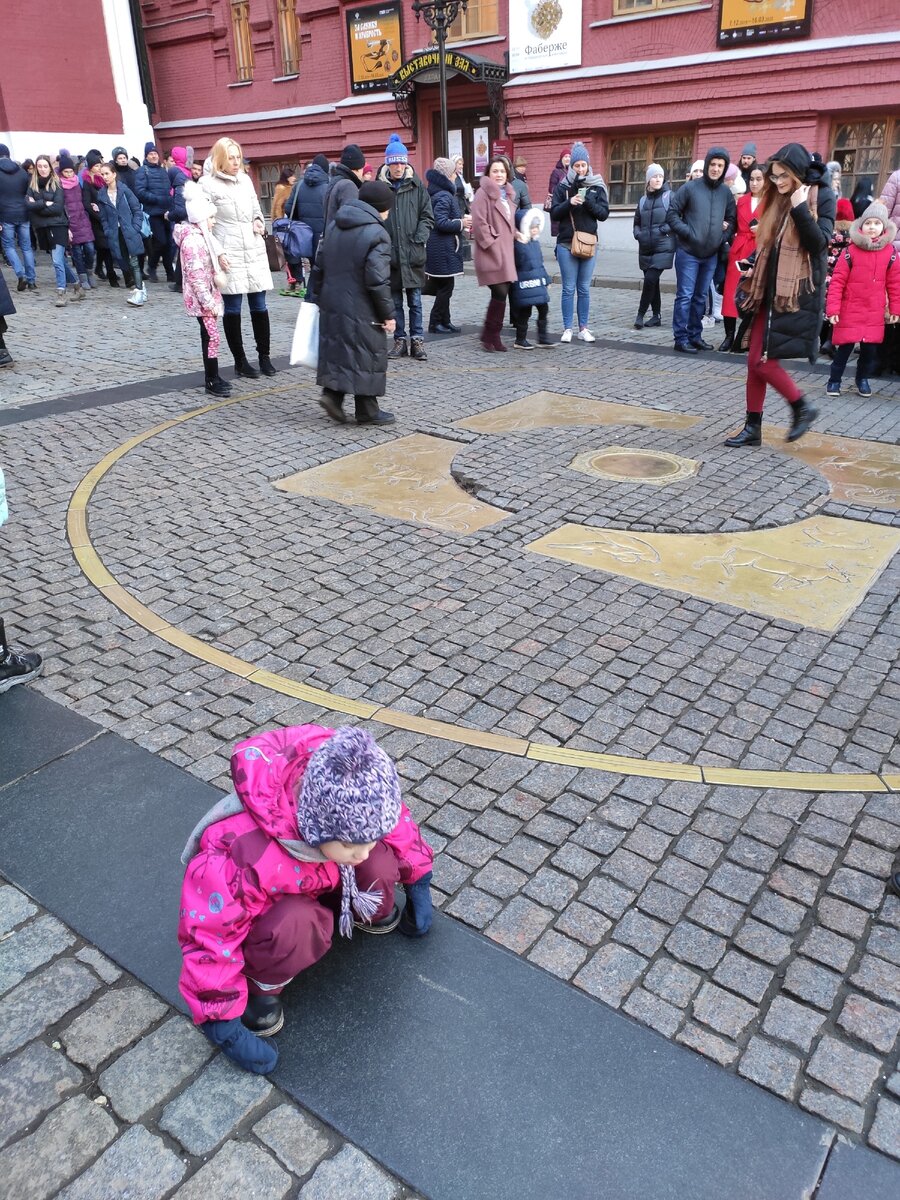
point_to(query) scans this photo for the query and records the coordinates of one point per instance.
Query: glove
(241, 1046)
(417, 914)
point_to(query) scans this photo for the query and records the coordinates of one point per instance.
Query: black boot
(263, 1015)
(231, 323)
(654, 322)
(802, 416)
(261, 334)
(751, 434)
(639, 321)
(417, 349)
(543, 335)
(726, 343)
(16, 666)
(215, 385)
(6, 359)
(399, 348)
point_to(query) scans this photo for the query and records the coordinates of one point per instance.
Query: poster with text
(373, 39)
(482, 149)
(745, 22)
(544, 34)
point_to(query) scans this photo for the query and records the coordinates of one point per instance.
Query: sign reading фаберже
(544, 34)
(375, 46)
(744, 22)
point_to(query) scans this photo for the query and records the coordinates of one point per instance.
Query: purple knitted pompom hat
(350, 793)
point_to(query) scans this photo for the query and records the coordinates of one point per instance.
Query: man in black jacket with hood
(702, 215)
(14, 221)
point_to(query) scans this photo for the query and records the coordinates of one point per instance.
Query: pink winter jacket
(201, 296)
(241, 869)
(863, 288)
(493, 234)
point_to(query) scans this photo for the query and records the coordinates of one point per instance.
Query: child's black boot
(263, 1015)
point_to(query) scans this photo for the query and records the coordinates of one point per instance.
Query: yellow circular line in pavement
(92, 566)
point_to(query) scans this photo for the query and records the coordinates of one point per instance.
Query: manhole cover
(627, 464)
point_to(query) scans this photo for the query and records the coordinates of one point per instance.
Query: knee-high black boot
(231, 324)
(261, 334)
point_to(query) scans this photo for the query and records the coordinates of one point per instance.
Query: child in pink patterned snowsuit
(201, 279)
(314, 835)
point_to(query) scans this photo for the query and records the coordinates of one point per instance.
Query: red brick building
(644, 80)
(71, 77)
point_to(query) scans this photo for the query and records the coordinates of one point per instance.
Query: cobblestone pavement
(748, 924)
(105, 1092)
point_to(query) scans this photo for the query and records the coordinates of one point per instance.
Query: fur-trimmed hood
(888, 234)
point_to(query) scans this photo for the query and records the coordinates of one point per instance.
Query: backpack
(666, 199)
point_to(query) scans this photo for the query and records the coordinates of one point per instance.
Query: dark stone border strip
(414, 1050)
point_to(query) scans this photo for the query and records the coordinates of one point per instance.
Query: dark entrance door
(471, 132)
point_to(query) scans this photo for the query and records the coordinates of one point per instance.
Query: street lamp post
(439, 16)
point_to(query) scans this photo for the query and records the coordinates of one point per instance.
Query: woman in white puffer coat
(240, 227)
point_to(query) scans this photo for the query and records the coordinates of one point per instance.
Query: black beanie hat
(93, 157)
(321, 161)
(353, 157)
(66, 162)
(4, 151)
(379, 195)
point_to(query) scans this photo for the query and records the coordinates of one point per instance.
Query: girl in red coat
(867, 270)
(742, 247)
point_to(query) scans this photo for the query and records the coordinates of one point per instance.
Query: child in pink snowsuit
(314, 835)
(202, 278)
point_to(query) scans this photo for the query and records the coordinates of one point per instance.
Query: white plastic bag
(305, 346)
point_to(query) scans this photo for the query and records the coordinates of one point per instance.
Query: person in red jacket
(866, 273)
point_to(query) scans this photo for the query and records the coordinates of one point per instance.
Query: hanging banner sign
(375, 46)
(744, 22)
(544, 34)
(428, 62)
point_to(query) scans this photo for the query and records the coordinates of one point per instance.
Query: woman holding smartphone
(748, 214)
(580, 200)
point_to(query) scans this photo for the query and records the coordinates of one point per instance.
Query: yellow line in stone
(91, 564)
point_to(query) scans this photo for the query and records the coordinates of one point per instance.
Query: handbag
(584, 245)
(305, 342)
(274, 253)
(295, 236)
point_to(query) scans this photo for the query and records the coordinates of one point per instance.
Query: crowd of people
(753, 244)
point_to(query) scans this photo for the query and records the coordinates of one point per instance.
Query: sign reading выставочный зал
(374, 45)
(544, 34)
(747, 21)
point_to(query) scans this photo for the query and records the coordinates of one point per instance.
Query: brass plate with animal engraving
(858, 472)
(629, 464)
(408, 478)
(545, 410)
(814, 572)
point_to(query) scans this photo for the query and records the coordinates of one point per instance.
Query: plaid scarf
(793, 268)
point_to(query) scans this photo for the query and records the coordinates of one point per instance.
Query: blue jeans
(692, 279)
(414, 300)
(64, 273)
(256, 302)
(576, 276)
(83, 257)
(22, 234)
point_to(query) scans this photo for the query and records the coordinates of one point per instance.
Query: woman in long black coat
(656, 242)
(443, 253)
(355, 307)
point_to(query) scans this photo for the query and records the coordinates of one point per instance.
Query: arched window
(243, 47)
(289, 36)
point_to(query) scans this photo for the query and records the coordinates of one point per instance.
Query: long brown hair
(774, 207)
(52, 183)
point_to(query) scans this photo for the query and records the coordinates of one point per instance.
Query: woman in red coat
(742, 247)
(864, 275)
(493, 238)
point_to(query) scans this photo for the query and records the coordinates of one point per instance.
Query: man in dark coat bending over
(702, 216)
